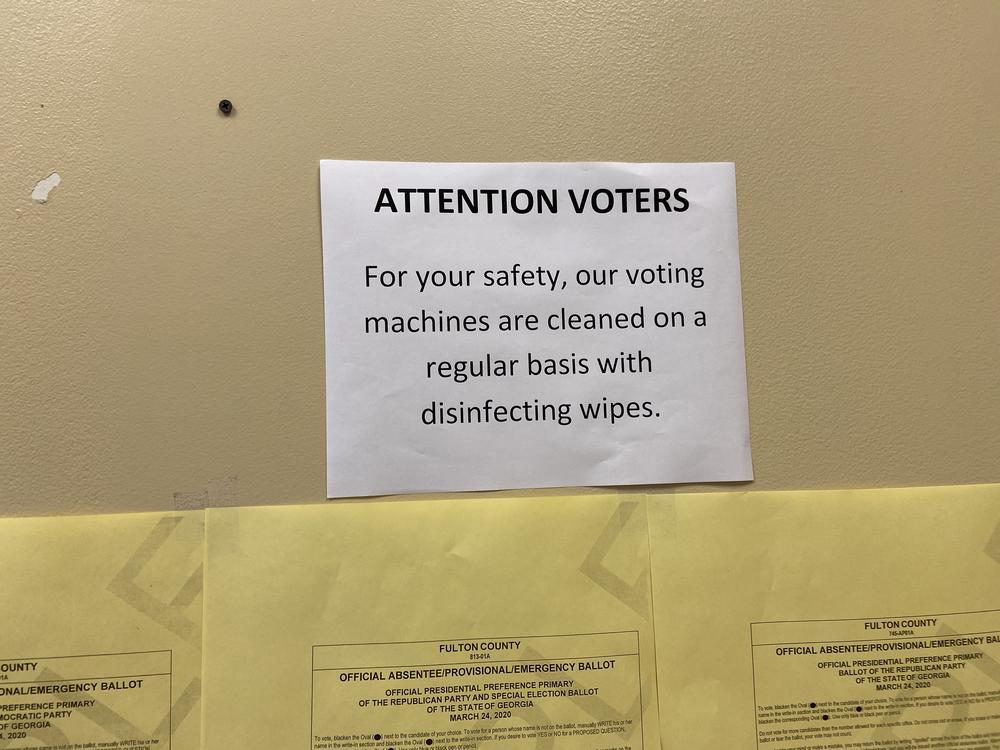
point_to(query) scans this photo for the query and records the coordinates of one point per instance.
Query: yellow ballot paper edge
(101, 637)
(836, 619)
(456, 624)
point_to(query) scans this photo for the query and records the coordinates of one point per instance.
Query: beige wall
(161, 326)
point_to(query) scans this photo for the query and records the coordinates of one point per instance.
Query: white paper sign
(531, 325)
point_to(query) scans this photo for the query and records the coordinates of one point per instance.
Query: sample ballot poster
(100, 636)
(531, 325)
(441, 624)
(837, 620)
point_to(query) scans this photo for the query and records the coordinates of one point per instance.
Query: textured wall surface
(161, 314)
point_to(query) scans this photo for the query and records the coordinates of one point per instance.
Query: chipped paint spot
(45, 186)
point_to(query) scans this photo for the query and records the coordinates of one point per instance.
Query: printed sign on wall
(531, 325)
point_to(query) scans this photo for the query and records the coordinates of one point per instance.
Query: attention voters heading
(645, 200)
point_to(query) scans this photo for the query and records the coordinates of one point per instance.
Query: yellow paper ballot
(100, 645)
(846, 620)
(457, 624)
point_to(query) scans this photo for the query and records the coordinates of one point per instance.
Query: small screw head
(226, 107)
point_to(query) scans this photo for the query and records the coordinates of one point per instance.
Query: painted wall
(161, 328)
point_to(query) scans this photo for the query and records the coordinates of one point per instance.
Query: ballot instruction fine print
(913, 681)
(86, 702)
(566, 691)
